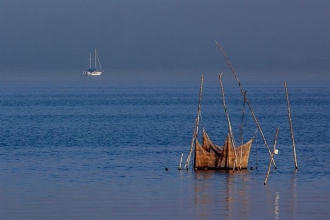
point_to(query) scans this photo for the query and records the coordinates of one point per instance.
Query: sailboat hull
(95, 73)
(92, 71)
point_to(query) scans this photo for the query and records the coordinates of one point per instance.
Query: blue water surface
(97, 148)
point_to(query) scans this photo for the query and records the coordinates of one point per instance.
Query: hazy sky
(257, 35)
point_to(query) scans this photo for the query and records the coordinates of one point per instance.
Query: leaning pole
(291, 129)
(247, 101)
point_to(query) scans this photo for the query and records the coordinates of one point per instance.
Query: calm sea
(97, 148)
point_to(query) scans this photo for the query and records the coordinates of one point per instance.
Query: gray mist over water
(263, 39)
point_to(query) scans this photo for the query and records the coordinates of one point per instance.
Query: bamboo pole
(195, 133)
(291, 128)
(186, 166)
(271, 157)
(241, 133)
(247, 101)
(179, 168)
(228, 119)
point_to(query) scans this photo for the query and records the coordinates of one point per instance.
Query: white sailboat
(92, 71)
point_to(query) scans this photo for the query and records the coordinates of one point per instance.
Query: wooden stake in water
(195, 133)
(228, 119)
(272, 156)
(247, 101)
(291, 129)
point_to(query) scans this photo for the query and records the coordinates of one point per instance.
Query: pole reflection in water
(277, 206)
(220, 193)
(273, 200)
(293, 187)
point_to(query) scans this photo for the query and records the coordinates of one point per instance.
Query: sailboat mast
(90, 60)
(98, 59)
(95, 59)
